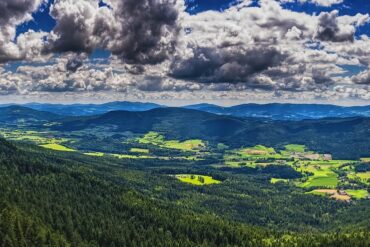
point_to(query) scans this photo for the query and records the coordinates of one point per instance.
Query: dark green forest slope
(60, 199)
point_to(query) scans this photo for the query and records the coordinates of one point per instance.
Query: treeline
(363, 167)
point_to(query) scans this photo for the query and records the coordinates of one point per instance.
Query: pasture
(195, 179)
(278, 180)
(57, 147)
(97, 154)
(128, 156)
(157, 139)
(139, 150)
(295, 148)
(358, 194)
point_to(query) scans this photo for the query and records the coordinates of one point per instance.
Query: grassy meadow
(195, 179)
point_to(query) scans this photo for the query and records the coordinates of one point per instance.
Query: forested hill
(16, 114)
(48, 199)
(53, 199)
(345, 138)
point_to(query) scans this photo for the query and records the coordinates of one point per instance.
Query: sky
(185, 51)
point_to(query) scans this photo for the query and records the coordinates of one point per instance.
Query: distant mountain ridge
(278, 111)
(90, 109)
(275, 111)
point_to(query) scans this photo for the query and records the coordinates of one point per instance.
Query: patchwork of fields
(319, 173)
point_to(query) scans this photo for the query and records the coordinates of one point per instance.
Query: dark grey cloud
(15, 9)
(13, 13)
(329, 29)
(74, 63)
(72, 27)
(362, 78)
(136, 31)
(148, 30)
(160, 84)
(320, 76)
(228, 64)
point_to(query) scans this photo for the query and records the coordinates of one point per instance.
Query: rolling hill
(343, 137)
(16, 114)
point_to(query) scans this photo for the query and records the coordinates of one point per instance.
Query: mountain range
(274, 111)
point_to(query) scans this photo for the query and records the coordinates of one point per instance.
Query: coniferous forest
(53, 198)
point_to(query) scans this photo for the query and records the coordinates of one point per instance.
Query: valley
(316, 173)
(218, 176)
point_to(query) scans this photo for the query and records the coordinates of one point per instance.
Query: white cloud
(324, 3)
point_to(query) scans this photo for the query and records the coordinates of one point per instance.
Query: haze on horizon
(179, 52)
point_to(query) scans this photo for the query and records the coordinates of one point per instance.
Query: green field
(323, 182)
(322, 177)
(364, 177)
(197, 179)
(139, 150)
(277, 180)
(37, 137)
(358, 194)
(57, 147)
(157, 139)
(98, 154)
(128, 156)
(295, 148)
(250, 156)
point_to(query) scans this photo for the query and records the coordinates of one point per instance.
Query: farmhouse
(342, 193)
(327, 157)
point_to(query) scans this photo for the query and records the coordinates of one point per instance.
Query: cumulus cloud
(147, 30)
(329, 29)
(362, 78)
(13, 13)
(73, 31)
(225, 64)
(74, 63)
(136, 31)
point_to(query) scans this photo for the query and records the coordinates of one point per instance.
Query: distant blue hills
(91, 109)
(273, 111)
(285, 111)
